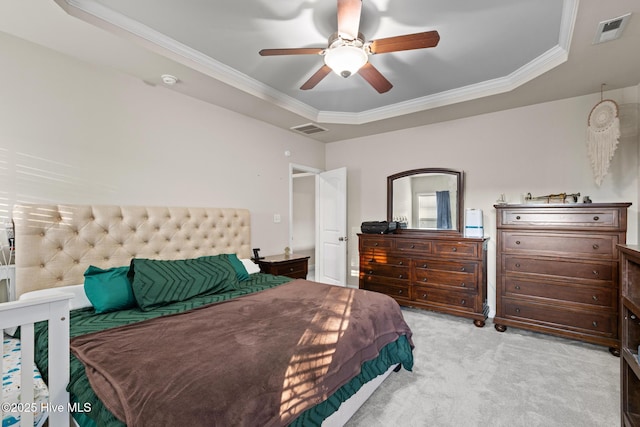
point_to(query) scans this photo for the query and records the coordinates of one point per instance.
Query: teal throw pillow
(238, 266)
(108, 290)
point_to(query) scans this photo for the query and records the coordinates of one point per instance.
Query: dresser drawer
(597, 296)
(459, 300)
(602, 271)
(462, 275)
(382, 258)
(591, 322)
(386, 270)
(377, 242)
(456, 249)
(597, 218)
(409, 245)
(395, 288)
(561, 244)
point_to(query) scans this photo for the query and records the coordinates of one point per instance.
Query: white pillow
(79, 299)
(250, 266)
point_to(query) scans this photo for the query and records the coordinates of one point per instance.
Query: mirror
(428, 199)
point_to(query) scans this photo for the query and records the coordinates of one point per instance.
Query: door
(331, 245)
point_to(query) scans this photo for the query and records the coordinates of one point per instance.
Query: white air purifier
(473, 226)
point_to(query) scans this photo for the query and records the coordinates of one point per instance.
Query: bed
(242, 346)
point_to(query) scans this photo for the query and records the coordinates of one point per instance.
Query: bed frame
(57, 243)
(55, 311)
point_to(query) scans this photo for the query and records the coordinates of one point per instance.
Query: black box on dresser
(441, 273)
(557, 269)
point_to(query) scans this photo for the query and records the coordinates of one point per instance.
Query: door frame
(303, 171)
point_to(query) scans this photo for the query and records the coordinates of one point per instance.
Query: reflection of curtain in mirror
(443, 204)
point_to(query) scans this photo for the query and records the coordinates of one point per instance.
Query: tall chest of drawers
(557, 269)
(446, 274)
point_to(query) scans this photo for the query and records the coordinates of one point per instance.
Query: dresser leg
(500, 328)
(479, 323)
(614, 351)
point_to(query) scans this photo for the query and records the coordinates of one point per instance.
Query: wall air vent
(308, 129)
(611, 29)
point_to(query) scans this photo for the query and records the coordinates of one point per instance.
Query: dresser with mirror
(427, 262)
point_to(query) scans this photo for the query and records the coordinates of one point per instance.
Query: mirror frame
(459, 200)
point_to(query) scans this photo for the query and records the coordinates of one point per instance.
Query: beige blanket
(260, 359)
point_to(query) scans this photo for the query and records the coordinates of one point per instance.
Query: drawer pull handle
(463, 302)
(455, 249)
(424, 279)
(424, 265)
(518, 217)
(596, 273)
(424, 296)
(400, 276)
(595, 297)
(633, 316)
(372, 260)
(517, 265)
(413, 246)
(517, 287)
(517, 242)
(464, 285)
(375, 244)
(370, 271)
(462, 268)
(517, 310)
(596, 247)
(290, 268)
(400, 292)
(595, 324)
(401, 263)
(595, 218)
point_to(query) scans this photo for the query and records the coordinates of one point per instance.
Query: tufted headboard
(56, 243)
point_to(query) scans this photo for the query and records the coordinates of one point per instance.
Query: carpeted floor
(469, 376)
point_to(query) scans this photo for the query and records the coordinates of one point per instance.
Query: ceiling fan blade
(375, 78)
(292, 51)
(349, 18)
(406, 42)
(315, 79)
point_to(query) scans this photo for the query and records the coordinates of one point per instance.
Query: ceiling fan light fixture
(345, 60)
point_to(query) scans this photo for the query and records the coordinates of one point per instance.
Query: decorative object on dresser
(557, 269)
(630, 338)
(427, 263)
(440, 273)
(292, 266)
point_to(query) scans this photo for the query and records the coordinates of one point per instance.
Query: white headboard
(56, 243)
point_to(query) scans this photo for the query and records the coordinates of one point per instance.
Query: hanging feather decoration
(602, 137)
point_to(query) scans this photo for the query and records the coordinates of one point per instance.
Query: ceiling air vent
(308, 129)
(611, 29)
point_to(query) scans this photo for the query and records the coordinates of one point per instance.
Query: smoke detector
(611, 29)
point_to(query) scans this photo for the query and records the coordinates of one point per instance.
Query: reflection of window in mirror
(427, 212)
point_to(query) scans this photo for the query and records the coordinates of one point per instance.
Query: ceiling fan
(347, 52)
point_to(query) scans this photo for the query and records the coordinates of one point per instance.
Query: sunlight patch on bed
(327, 327)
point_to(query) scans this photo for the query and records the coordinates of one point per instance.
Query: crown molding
(97, 14)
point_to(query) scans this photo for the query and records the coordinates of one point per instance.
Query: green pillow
(160, 282)
(108, 290)
(238, 266)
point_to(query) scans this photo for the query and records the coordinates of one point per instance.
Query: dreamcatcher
(602, 136)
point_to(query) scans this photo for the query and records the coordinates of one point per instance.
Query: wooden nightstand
(285, 265)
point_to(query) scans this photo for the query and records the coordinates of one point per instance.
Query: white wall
(71, 132)
(538, 149)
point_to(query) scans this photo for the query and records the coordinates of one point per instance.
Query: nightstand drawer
(296, 268)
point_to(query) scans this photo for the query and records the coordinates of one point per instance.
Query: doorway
(302, 206)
